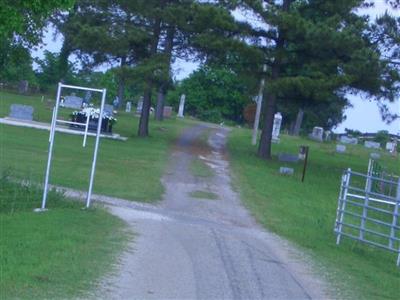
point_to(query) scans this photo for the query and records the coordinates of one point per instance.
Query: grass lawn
(130, 170)
(58, 254)
(305, 212)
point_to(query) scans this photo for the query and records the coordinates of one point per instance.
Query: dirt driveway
(193, 248)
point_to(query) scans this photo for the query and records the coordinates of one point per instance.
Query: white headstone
(340, 148)
(327, 135)
(108, 110)
(128, 106)
(286, 171)
(73, 101)
(139, 106)
(374, 155)
(390, 146)
(317, 134)
(181, 106)
(372, 145)
(276, 129)
(348, 140)
(21, 112)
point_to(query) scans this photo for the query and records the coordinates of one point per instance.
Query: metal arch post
(89, 195)
(345, 186)
(51, 142)
(394, 223)
(86, 131)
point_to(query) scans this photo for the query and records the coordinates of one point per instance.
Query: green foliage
(212, 94)
(16, 64)
(25, 19)
(49, 72)
(351, 132)
(382, 137)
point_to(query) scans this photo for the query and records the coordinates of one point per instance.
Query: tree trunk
(159, 115)
(143, 129)
(162, 93)
(121, 84)
(264, 148)
(299, 121)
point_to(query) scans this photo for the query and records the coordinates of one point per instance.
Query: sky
(364, 115)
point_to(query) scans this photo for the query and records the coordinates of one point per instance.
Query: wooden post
(306, 148)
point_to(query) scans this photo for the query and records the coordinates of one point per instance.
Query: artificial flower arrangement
(80, 116)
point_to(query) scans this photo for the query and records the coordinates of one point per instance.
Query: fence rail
(369, 210)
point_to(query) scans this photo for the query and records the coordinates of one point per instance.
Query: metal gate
(368, 211)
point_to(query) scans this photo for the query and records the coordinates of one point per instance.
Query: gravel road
(190, 248)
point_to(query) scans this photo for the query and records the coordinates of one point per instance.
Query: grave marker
(73, 101)
(348, 140)
(286, 171)
(181, 106)
(21, 112)
(277, 127)
(286, 157)
(317, 134)
(128, 106)
(167, 112)
(372, 145)
(340, 148)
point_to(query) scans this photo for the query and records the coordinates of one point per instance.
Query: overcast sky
(363, 116)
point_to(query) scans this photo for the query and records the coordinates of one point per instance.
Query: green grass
(204, 195)
(305, 212)
(57, 254)
(130, 170)
(199, 168)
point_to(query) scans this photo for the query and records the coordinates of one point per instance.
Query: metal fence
(368, 210)
(375, 169)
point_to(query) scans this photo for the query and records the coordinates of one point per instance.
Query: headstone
(108, 110)
(340, 148)
(167, 111)
(276, 129)
(390, 146)
(86, 99)
(286, 157)
(374, 155)
(327, 135)
(286, 171)
(302, 152)
(23, 87)
(73, 101)
(317, 134)
(128, 106)
(139, 106)
(181, 106)
(348, 140)
(372, 145)
(116, 102)
(21, 112)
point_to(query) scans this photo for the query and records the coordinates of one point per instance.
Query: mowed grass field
(304, 213)
(130, 170)
(59, 254)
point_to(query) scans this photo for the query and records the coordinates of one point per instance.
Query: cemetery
(200, 150)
